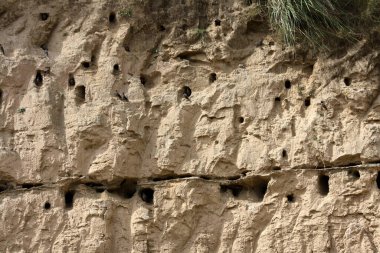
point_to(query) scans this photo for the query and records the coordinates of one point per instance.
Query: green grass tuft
(319, 22)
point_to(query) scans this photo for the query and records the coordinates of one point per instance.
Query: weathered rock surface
(276, 149)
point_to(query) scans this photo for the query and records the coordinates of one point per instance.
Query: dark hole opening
(290, 198)
(147, 194)
(241, 120)
(218, 22)
(86, 64)
(288, 84)
(1, 96)
(277, 99)
(260, 187)
(143, 79)
(212, 77)
(69, 199)
(347, 81)
(378, 180)
(354, 174)
(323, 184)
(186, 91)
(112, 17)
(47, 205)
(161, 28)
(80, 94)
(38, 80)
(44, 16)
(276, 168)
(116, 69)
(71, 80)
(284, 153)
(127, 188)
(307, 102)
(126, 47)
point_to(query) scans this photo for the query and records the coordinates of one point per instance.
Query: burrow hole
(71, 80)
(347, 81)
(1, 96)
(86, 64)
(212, 78)
(143, 79)
(44, 16)
(241, 120)
(284, 153)
(80, 94)
(69, 199)
(147, 194)
(112, 17)
(38, 80)
(116, 69)
(354, 174)
(323, 184)
(161, 28)
(257, 186)
(47, 205)
(277, 99)
(290, 198)
(288, 84)
(307, 102)
(218, 22)
(127, 188)
(186, 91)
(378, 180)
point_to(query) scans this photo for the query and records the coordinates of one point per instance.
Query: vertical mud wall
(182, 126)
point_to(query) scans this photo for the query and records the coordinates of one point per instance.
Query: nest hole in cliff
(143, 79)
(288, 84)
(47, 205)
(1, 96)
(284, 153)
(147, 194)
(290, 198)
(71, 80)
(260, 187)
(277, 99)
(212, 78)
(112, 17)
(116, 69)
(127, 188)
(218, 22)
(86, 64)
(323, 184)
(241, 120)
(186, 91)
(354, 174)
(44, 16)
(307, 102)
(38, 79)
(80, 94)
(69, 199)
(161, 28)
(347, 81)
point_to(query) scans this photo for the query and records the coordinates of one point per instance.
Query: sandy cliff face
(275, 150)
